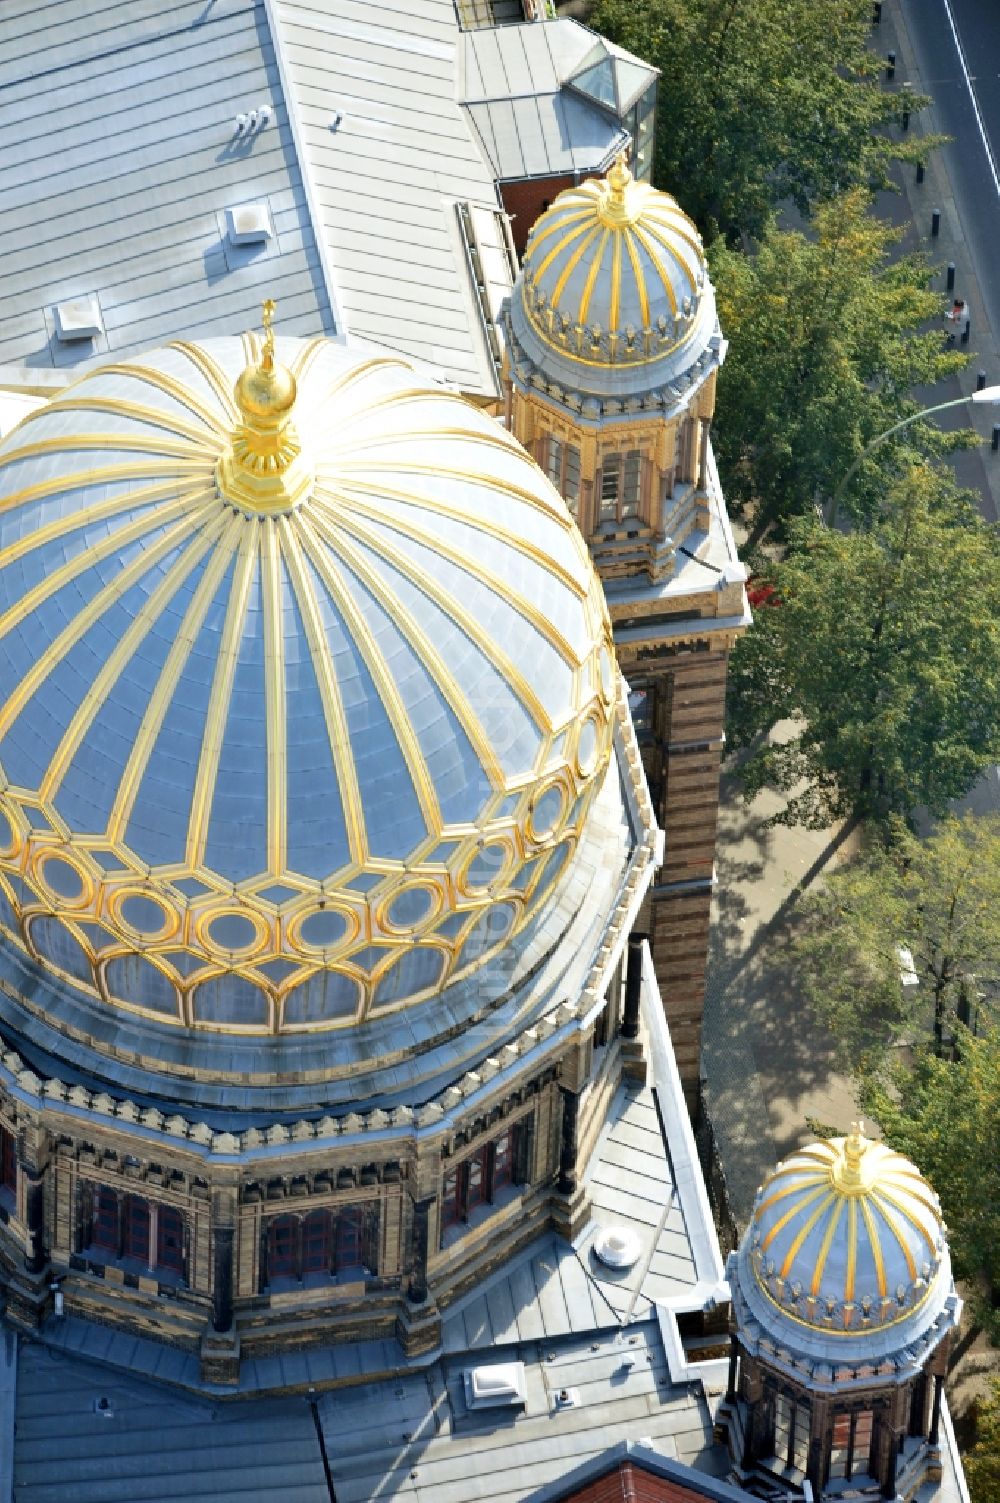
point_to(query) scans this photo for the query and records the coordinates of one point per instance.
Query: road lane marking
(972, 95)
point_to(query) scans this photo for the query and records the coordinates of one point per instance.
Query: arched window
(131, 1229)
(562, 465)
(621, 486)
(484, 1174)
(8, 1162)
(850, 1452)
(327, 1241)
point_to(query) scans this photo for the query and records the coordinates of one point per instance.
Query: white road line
(972, 95)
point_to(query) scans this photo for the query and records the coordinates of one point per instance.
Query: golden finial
(848, 1170)
(619, 201)
(267, 312)
(263, 469)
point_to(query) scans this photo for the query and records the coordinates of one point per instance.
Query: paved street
(956, 51)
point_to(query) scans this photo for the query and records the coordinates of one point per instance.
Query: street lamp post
(989, 394)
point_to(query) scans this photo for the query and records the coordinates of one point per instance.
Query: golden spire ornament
(619, 203)
(848, 1170)
(263, 469)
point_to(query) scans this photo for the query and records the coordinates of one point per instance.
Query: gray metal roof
(390, 153)
(119, 164)
(512, 82)
(151, 1446)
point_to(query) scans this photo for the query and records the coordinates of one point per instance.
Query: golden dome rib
(213, 373)
(166, 684)
(790, 1213)
(85, 618)
(170, 386)
(592, 275)
(875, 1243)
(141, 413)
(639, 275)
(301, 544)
(100, 511)
(464, 619)
(825, 1245)
(126, 646)
(650, 246)
(150, 521)
(219, 699)
(803, 1232)
(889, 1217)
(530, 613)
(395, 710)
(488, 526)
(274, 699)
(850, 1271)
(431, 659)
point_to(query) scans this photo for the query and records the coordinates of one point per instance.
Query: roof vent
(250, 224)
(566, 1398)
(617, 1246)
(497, 1387)
(78, 318)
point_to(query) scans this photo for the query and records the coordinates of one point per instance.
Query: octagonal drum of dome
(282, 765)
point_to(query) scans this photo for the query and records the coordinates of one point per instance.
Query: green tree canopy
(825, 348)
(982, 1464)
(945, 1115)
(940, 899)
(885, 650)
(760, 102)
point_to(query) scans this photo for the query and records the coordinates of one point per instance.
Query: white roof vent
(502, 1386)
(617, 1246)
(250, 224)
(78, 318)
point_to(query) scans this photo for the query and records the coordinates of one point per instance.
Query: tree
(945, 1115)
(761, 102)
(982, 1464)
(824, 351)
(940, 899)
(886, 651)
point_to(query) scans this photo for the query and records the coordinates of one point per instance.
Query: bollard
(936, 222)
(920, 172)
(995, 445)
(877, 13)
(950, 282)
(890, 66)
(980, 380)
(966, 331)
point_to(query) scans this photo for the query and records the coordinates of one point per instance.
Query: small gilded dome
(614, 274)
(847, 1236)
(272, 758)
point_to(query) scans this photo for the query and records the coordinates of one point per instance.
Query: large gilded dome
(302, 703)
(614, 274)
(847, 1236)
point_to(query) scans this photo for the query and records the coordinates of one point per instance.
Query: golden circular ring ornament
(132, 909)
(548, 809)
(232, 931)
(409, 909)
(324, 930)
(66, 886)
(487, 867)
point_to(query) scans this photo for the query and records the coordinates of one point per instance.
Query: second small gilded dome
(847, 1235)
(614, 273)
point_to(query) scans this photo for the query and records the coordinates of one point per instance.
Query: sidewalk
(768, 1064)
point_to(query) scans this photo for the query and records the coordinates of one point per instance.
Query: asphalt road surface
(957, 43)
